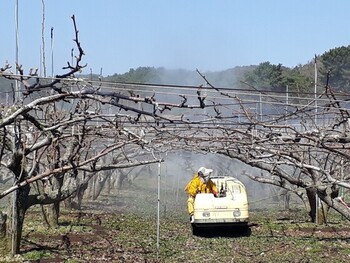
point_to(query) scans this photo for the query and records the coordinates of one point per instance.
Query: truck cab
(228, 209)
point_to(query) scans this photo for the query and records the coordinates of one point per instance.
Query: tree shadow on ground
(29, 246)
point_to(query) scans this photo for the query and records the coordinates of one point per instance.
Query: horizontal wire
(258, 94)
(110, 84)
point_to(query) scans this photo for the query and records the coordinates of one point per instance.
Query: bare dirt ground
(120, 236)
(122, 227)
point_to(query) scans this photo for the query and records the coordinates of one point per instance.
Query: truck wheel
(246, 231)
(195, 230)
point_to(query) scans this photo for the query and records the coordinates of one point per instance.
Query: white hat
(206, 172)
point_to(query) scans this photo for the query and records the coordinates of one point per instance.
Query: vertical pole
(16, 145)
(52, 52)
(158, 209)
(261, 110)
(177, 188)
(17, 39)
(43, 37)
(341, 190)
(317, 207)
(287, 102)
(100, 77)
(315, 91)
(93, 187)
(165, 184)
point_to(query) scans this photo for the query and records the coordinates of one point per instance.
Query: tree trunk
(323, 207)
(318, 209)
(119, 180)
(91, 187)
(16, 217)
(100, 183)
(53, 212)
(80, 193)
(109, 184)
(322, 212)
(70, 203)
(3, 219)
(311, 195)
(286, 199)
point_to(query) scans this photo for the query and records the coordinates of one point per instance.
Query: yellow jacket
(196, 185)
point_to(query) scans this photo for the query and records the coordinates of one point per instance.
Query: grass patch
(122, 227)
(37, 255)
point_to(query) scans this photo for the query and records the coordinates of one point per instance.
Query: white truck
(229, 208)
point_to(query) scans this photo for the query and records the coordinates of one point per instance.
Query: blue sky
(188, 34)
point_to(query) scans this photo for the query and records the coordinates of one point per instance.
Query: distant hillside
(151, 75)
(333, 67)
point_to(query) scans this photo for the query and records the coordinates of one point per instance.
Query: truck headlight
(236, 212)
(206, 214)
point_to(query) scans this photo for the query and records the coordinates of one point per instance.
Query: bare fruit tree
(60, 134)
(66, 129)
(302, 144)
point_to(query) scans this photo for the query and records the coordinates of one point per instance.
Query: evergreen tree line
(333, 65)
(333, 68)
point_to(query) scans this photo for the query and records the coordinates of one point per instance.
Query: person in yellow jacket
(201, 183)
